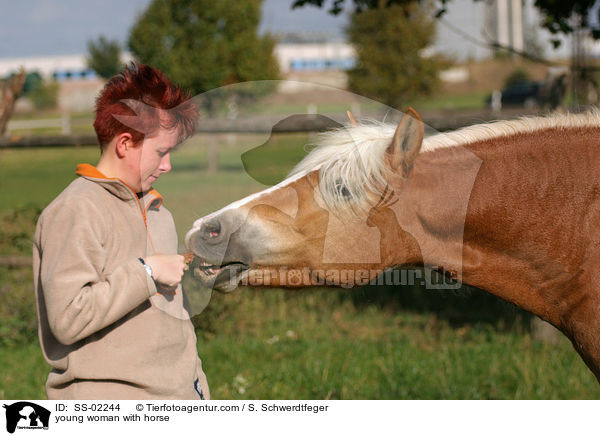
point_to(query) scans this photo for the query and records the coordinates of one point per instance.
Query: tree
(517, 76)
(389, 43)
(560, 16)
(44, 95)
(205, 44)
(32, 80)
(10, 90)
(337, 6)
(104, 57)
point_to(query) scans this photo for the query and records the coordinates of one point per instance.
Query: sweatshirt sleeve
(201, 377)
(80, 300)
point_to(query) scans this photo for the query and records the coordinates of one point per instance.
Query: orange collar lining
(88, 170)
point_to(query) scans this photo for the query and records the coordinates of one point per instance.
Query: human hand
(167, 269)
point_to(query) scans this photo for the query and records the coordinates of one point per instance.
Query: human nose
(165, 163)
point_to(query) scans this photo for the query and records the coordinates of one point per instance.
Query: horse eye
(341, 189)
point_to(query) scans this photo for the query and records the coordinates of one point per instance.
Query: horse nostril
(211, 229)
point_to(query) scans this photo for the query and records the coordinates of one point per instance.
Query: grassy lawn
(474, 100)
(35, 177)
(368, 343)
(318, 345)
(440, 101)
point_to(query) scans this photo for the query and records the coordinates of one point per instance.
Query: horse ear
(406, 145)
(353, 120)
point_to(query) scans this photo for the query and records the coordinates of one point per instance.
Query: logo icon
(26, 415)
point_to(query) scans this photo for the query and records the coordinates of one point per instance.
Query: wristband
(147, 267)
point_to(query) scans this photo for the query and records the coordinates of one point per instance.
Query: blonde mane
(496, 129)
(352, 157)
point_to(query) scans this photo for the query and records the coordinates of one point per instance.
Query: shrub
(517, 76)
(44, 95)
(17, 308)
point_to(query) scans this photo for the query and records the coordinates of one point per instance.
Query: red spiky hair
(136, 101)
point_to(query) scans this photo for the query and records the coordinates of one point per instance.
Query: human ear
(123, 143)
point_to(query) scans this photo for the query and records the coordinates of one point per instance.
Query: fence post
(212, 154)
(66, 123)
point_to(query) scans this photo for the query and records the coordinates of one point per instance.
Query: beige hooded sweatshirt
(103, 327)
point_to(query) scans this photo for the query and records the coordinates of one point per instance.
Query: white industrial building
(300, 63)
(292, 57)
(58, 67)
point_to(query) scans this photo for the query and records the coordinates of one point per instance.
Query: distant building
(310, 57)
(58, 67)
(294, 55)
(312, 52)
(65, 67)
(302, 58)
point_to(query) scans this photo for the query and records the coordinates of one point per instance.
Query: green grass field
(368, 343)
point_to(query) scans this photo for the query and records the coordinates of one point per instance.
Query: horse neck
(501, 213)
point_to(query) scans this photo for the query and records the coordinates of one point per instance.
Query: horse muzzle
(217, 242)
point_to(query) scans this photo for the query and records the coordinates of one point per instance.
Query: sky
(51, 27)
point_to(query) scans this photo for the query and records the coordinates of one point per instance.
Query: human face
(155, 156)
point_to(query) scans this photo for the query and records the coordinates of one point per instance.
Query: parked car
(525, 94)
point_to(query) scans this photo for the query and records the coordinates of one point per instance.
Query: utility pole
(579, 74)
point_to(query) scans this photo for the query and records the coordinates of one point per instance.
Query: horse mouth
(222, 278)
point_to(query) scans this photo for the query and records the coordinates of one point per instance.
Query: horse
(510, 207)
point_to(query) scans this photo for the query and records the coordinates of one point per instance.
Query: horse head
(329, 223)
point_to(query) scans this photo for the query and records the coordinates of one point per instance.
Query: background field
(368, 343)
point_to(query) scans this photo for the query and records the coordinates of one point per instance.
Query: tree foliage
(560, 16)
(337, 6)
(390, 65)
(32, 80)
(517, 76)
(204, 44)
(104, 57)
(44, 95)
(10, 90)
